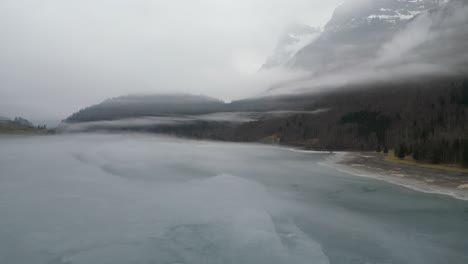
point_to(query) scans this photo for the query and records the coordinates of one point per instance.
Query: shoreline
(426, 180)
(372, 165)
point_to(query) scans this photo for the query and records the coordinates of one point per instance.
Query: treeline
(436, 152)
(427, 120)
(134, 106)
(441, 137)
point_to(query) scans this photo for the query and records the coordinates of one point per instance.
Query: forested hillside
(20, 126)
(425, 119)
(147, 105)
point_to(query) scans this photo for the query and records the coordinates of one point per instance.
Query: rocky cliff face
(357, 30)
(294, 38)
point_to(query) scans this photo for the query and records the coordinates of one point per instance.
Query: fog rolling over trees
(148, 105)
(427, 120)
(371, 75)
(424, 119)
(382, 75)
(72, 54)
(221, 131)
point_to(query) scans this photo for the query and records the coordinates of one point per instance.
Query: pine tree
(464, 96)
(402, 151)
(464, 149)
(436, 156)
(416, 152)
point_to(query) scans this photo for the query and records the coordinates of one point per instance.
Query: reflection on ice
(97, 199)
(215, 220)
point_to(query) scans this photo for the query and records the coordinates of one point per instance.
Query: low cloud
(433, 44)
(58, 56)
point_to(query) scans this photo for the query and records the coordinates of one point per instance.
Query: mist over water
(101, 199)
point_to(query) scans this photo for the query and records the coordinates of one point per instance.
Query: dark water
(101, 199)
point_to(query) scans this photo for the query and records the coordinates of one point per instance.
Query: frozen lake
(115, 199)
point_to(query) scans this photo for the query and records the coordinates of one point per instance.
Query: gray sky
(57, 56)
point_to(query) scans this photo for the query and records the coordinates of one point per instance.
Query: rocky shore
(373, 165)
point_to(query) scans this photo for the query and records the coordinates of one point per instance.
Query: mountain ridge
(293, 39)
(356, 31)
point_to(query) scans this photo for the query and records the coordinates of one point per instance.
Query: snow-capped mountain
(294, 38)
(357, 30)
(435, 40)
(358, 13)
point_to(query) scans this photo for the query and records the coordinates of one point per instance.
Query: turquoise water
(102, 199)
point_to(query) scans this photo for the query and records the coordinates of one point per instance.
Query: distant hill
(19, 126)
(425, 118)
(147, 105)
(135, 106)
(19, 121)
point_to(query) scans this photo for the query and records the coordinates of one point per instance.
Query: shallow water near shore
(127, 198)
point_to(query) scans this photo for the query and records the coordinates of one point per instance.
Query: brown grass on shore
(408, 160)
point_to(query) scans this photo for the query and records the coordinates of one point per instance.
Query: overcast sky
(57, 56)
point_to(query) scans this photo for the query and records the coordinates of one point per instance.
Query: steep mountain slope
(293, 39)
(436, 39)
(356, 31)
(423, 115)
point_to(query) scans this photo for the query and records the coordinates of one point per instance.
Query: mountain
(436, 39)
(425, 116)
(19, 126)
(294, 38)
(19, 121)
(135, 106)
(147, 105)
(356, 32)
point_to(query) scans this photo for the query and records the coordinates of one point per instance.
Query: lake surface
(111, 199)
